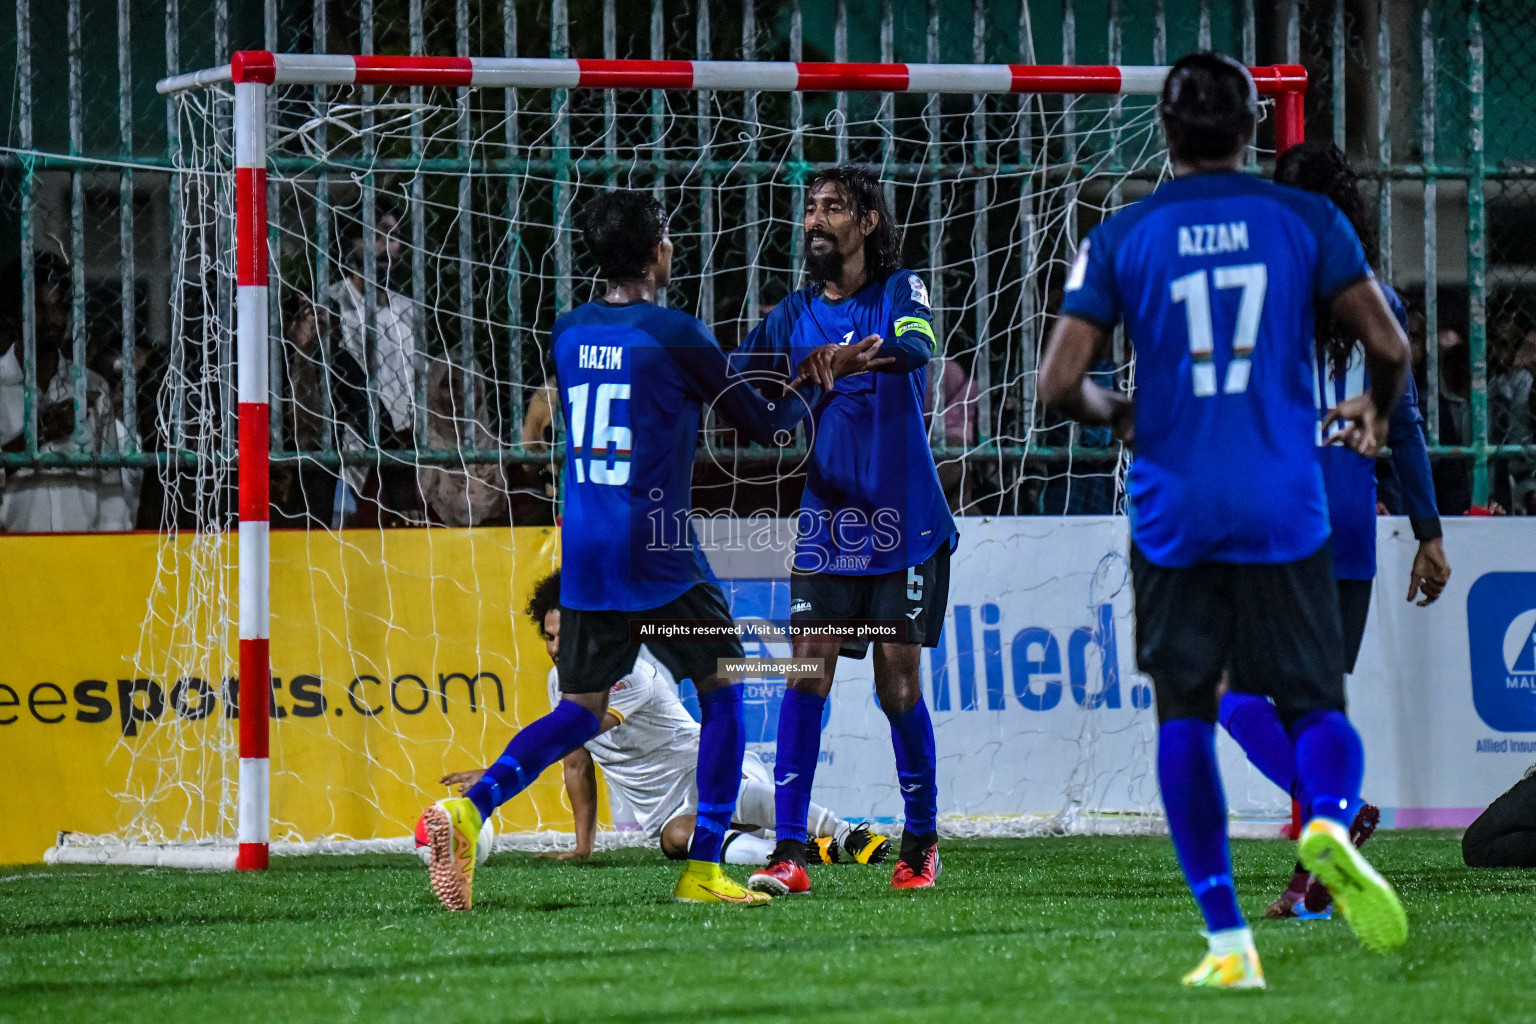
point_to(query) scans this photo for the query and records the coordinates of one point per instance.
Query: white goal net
(421, 244)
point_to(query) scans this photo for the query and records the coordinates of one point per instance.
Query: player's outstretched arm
(769, 422)
(1064, 383)
(1362, 311)
(581, 783)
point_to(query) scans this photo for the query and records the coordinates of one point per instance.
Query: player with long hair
(875, 532)
(1216, 276)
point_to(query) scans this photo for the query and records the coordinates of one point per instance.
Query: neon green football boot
(453, 830)
(1368, 902)
(704, 882)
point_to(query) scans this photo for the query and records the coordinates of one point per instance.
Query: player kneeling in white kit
(648, 748)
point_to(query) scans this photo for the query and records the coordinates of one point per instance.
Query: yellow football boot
(866, 847)
(1367, 900)
(453, 829)
(1235, 969)
(704, 882)
(822, 850)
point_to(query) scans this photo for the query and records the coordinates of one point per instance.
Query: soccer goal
(370, 252)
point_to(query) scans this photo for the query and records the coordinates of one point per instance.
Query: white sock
(754, 804)
(1233, 940)
(821, 822)
(741, 848)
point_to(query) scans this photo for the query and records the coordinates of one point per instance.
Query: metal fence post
(1477, 257)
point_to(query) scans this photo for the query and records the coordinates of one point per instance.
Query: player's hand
(1366, 431)
(577, 854)
(1430, 572)
(463, 780)
(825, 365)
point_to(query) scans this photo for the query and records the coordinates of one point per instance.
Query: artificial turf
(1076, 929)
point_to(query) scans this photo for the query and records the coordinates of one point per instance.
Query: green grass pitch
(1081, 929)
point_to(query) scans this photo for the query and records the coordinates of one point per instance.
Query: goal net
(364, 442)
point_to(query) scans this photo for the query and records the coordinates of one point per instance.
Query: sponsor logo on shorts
(800, 605)
(1501, 638)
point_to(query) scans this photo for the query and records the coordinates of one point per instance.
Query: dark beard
(823, 266)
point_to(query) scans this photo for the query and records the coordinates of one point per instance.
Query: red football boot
(785, 874)
(923, 875)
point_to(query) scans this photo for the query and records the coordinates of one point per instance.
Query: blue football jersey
(1216, 277)
(872, 502)
(632, 380)
(1350, 478)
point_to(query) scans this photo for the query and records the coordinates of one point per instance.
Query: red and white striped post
(251, 360)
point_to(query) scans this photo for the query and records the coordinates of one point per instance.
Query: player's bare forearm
(1064, 384)
(581, 784)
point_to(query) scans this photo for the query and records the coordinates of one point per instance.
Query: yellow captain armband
(918, 324)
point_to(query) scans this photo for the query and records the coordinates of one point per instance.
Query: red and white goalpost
(1029, 189)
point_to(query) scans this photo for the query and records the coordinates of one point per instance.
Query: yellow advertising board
(396, 656)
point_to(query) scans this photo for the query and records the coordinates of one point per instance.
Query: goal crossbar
(252, 72)
(266, 68)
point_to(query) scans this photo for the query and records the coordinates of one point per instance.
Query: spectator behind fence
(66, 499)
(1504, 835)
(1453, 482)
(377, 492)
(460, 493)
(1511, 362)
(318, 371)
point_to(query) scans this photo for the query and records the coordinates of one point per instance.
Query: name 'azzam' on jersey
(1210, 239)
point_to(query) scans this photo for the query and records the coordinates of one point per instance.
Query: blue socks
(794, 766)
(1331, 764)
(1197, 817)
(1255, 724)
(722, 744)
(916, 767)
(532, 750)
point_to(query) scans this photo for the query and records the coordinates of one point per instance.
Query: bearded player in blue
(1350, 481)
(633, 377)
(1217, 276)
(874, 529)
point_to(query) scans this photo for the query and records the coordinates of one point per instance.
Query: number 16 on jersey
(606, 460)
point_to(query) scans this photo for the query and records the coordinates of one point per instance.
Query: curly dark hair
(545, 598)
(1209, 106)
(620, 228)
(865, 195)
(1322, 167)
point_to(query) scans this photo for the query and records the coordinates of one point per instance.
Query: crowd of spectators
(77, 497)
(351, 391)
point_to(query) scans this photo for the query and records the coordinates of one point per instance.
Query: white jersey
(650, 757)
